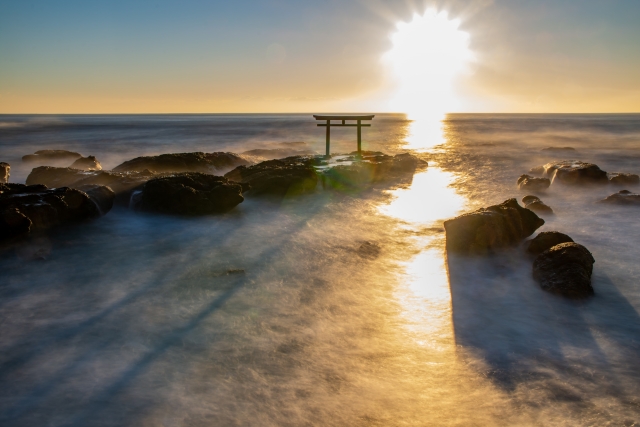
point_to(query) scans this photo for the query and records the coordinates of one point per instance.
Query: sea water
(273, 315)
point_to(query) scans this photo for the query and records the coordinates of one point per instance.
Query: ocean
(270, 315)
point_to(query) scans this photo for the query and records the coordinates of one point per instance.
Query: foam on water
(274, 315)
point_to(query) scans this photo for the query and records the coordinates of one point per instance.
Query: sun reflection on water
(425, 132)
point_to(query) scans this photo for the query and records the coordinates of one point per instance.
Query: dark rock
(282, 150)
(565, 269)
(624, 197)
(288, 176)
(559, 150)
(101, 195)
(190, 193)
(89, 163)
(546, 240)
(372, 168)
(5, 172)
(538, 170)
(624, 178)
(572, 172)
(495, 227)
(183, 162)
(123, 184)
(527, 182)
(25, 208)
(529, 199)
(539, 207)
(369, 250)
(43, 156)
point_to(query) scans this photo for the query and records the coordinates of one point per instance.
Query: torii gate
(359, 125)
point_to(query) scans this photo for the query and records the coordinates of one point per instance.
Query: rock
(44, 156)
(190, 193)
(373, 167)
(539, 207)
(123, 184)
(291, 175)
(89, 163)
(5, 172)
(527, 182)
(538, 170)
(546, 240)
(495, 227)
(559, 150)
(573, 172)
(101, 195)
(28, 208)
(369, 250)
(623, 197)
(529, 199)
(623, 178)
(183, 162)
(565, 269)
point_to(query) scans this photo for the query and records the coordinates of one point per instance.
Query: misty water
(272, 315)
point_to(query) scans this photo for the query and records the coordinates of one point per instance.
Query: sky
(189, 56)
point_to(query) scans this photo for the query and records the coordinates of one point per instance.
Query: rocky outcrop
(527, 182)
(535, 204)
(573, 172)
(5, 172)
(29, 208)
(288, 176)
(488, 229)
(89, 163)
(101, 195)
(565, 269)
(618, 178)
(373, 167)
(122, 183)
(183, 162)
(624, 197)
(546, 240)
(44, 156)
(190, 193)
(537, 170)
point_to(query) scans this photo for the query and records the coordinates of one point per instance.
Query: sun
(427, 54)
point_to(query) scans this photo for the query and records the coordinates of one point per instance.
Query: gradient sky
(139, 56)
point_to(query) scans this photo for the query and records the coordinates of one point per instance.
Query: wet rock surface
(535, 204)
(623, 197)
(565, 269)
(491, 228)
(527, 182)
(28, 208)
(573, 172)
(190, 193)
(183, 162)
(43, 156)
(374, 167)
(103, 196)
(122, 183)
(5, 172)
(89, 163)
(618, 178)
(537, 170)
(546, 240)
(288, 176)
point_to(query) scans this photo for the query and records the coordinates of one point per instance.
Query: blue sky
(282, 55)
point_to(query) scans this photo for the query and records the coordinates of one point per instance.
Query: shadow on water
(523, 335)
(105, 295)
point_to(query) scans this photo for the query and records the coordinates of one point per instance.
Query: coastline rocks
(573, 172)
(565, 269)
(546, 240)
(374, 167)
(527, 182)
(101, 195)
(89, 163)
(51, 155)
(535, 204)
(623, 197)
(538, 170)
(491, 228)
(623, 178)
(190, 193)
(28, 208)
(182, 162)
(5, 172)
(559, 150)
(122, 183)
(291, 175)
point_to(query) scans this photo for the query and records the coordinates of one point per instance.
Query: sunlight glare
(427, 54)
